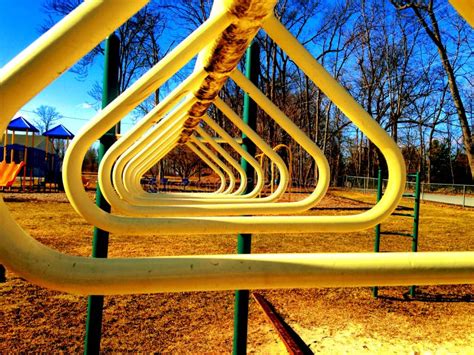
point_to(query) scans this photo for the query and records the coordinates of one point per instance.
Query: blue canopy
(21, 124)
(59, 132)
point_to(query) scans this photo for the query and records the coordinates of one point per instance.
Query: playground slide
(9, 172)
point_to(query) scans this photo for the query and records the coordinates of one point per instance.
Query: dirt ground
(439, 320)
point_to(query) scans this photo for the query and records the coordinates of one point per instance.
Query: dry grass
(329, 320)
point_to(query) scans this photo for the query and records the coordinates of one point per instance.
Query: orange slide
(9, 172)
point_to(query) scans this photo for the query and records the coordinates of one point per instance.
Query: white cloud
(86, 106)
(25, 114)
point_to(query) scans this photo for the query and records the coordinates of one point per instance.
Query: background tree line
(408, 63)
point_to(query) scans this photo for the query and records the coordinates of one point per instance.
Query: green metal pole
(416, 220)
(241, 303)
(100, 241)
(375, 290)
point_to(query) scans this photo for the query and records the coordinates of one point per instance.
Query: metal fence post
(416, 222)
(463, 195)
(100, 239)
(241, 303)
(375, 289)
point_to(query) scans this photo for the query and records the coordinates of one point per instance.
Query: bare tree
(140, 44)
(47, 116)
(182, 162)
(425, 13)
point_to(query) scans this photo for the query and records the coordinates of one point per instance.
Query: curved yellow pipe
(132, 174)
(210, 154)
(236, 165)
(258, 141)
(290, 166)
(128, 140)
(209, 163)
(126, 169)
(238, 148)
(47, 267)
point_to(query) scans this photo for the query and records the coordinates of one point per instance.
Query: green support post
(241, 303)
(416, 220)
(375, 290)
(100, 241)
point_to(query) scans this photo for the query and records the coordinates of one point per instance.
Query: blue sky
(20, 22)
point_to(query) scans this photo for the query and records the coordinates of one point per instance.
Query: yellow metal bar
(132, 210)
(290, 165)
(197, 197)
(128, 139)
(44, 266)
(241, 224)
(220, 140)
(237, 147)
(118, 205)
(218, 161)
(121, 106)
(130, 168)
(260, 143)
(209, 163)
(273, 111)
(208, 139)
(237, 121)
(132, 174)
(82, 275)
(465, 8)
(125, 102)
(52, 54)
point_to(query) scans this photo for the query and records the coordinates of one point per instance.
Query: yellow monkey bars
(234, 23)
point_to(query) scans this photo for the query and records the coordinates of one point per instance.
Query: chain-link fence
(457, 194)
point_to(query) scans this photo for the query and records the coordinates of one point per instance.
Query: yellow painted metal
(160, 211)
(149, 144)
(134, 225)
(26, 75)
(220, 140)
(145, 144)
(152, 152)
(209, 140)
(290, 166)
(225, 272)
(209, 163)
(218, 161)
(465, 8)
(261, 160)
(79, 32)
(238, 148)
(127, 141)
(179, 197)
(141, 211)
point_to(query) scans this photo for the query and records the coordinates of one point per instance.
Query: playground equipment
(107, 163)
(57, 139)
(464, 8)
(86, 26)
(37, 157)
(10, 171)
(290, 167)
(415, 214)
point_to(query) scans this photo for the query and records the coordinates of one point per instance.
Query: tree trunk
(435, 36)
